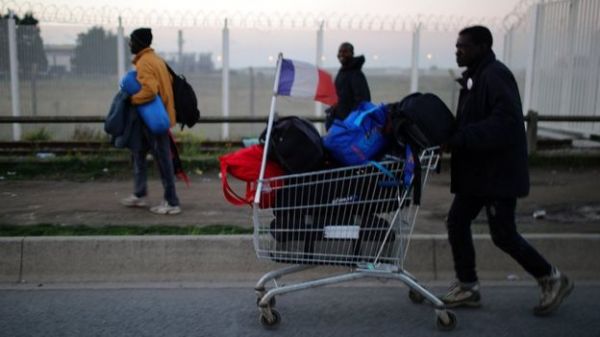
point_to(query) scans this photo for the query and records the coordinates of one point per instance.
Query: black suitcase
(295, 144)
(303, 246)
(305, 204)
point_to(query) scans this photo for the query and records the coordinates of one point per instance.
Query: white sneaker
(165, 208)
(134, 201)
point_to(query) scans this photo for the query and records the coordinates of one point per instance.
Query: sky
(484, 8)
(258, 47)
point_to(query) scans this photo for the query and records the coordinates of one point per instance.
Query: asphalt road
(159, 311)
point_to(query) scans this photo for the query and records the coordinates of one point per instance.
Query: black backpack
(421, 120)
(186, 104)
(295, 144)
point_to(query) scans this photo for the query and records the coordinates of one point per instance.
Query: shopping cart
(358, 216)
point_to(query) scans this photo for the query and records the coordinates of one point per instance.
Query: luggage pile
(340, 188)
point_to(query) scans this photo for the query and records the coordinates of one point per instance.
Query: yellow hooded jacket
(155, 80)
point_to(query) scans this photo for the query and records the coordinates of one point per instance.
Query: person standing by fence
(489, 170)
(350, 84)
(154, 78)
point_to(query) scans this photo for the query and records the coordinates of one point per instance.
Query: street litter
(45, 155)
(539, 214)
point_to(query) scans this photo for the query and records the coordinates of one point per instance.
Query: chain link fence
(69, 60)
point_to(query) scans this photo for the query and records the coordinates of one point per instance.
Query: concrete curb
(232, 258)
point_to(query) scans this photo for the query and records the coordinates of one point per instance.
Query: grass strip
(84, 168)
(82, 230)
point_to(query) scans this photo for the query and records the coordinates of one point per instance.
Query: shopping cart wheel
(416, 297)
(272, 301)
(270, 324)
(446, 320)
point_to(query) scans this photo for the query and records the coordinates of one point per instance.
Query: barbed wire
(520, 11)
(109, 16)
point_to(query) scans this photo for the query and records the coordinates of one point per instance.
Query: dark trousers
(160, 148)
(501, 220)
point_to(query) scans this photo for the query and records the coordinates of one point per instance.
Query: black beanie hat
(142, 36)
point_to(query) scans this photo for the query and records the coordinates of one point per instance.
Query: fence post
(14, 74)
(225, 80)
(180, 62)
(414, 77)
(120, 51)
(319, 63)
(532, 127)
(567, 100)
(508, 47)
(531, 57)
(252, 97)
(252, 92)
(34, 71)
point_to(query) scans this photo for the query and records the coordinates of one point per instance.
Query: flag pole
(263, 164)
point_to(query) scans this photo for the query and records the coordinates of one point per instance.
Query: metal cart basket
(359, 216)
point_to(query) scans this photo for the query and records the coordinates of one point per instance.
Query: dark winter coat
(489, 148)
(351, 87)
(124, 124)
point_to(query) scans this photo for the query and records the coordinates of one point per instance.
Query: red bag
(244, 164)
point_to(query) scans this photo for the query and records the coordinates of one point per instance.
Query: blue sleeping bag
(358, 138)
(153, 113)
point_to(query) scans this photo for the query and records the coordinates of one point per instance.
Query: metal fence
(214, 51)
(70, 62)
(554, 49)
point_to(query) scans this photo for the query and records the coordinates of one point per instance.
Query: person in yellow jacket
(154, 78)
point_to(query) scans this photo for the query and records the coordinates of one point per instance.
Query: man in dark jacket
(489, 170)
(350, 84)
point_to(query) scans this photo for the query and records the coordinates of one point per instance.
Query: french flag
(301, 79)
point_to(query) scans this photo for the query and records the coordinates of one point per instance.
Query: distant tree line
(30, 47)
(95, 51)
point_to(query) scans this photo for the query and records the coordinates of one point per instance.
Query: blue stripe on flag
(286, 78)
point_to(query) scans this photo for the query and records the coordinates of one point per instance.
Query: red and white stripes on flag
(301, 79)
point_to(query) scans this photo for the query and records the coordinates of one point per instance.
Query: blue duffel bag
(358, 138)
(130, 84)
(154, 114)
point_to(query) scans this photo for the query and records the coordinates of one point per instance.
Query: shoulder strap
(228, 192)
(177, 165)
(417, 182)
(411, 174)
(391, 181)
(170, 70)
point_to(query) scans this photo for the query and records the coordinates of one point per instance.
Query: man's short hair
(480, 35)
(347, 45)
